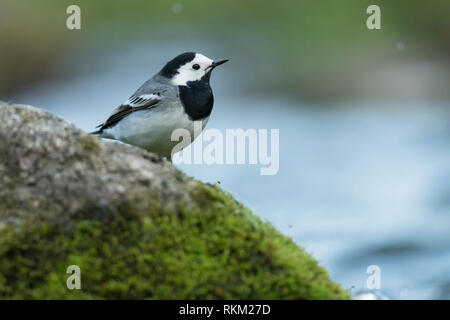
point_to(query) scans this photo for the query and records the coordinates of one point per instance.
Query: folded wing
(133, 104)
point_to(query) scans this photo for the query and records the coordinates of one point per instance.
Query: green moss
(90, 144)
(219, 250)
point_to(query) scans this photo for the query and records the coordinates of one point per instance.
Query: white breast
(152, 129)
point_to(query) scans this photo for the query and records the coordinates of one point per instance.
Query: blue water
(360, 183)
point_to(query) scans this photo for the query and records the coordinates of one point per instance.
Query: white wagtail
(173, 98)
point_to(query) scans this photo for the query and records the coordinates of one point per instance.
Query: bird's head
(189, 66)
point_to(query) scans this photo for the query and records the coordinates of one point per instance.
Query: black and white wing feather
(133, 104)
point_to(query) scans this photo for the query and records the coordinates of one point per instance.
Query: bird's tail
(98, 132)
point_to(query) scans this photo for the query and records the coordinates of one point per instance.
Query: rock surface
(136, 226)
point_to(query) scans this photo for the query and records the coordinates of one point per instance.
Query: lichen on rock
(137, 227)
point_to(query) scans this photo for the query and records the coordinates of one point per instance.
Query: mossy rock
(151, 232)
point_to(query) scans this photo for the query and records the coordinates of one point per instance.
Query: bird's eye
(195, 67)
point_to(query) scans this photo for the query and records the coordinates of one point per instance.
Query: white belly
(152, 129)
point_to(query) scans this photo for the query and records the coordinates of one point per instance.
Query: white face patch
(187, 72)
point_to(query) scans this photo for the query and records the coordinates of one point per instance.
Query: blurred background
(364, 115)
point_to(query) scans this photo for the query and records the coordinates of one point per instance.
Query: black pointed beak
(218, 63)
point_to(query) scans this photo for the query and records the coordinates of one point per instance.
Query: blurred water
(359, 184)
